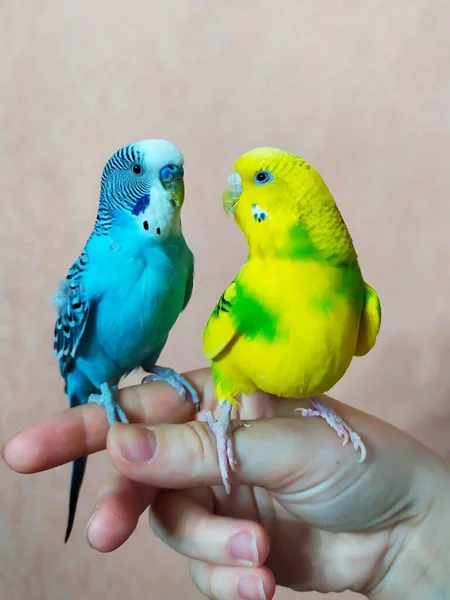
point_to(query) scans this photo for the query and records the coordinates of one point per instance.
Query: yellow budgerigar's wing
(220, 329)
(370, 322)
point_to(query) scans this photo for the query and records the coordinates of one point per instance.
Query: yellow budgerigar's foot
(335, 422)
(223, 430)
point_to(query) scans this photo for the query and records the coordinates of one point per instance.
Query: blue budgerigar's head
(142, 190)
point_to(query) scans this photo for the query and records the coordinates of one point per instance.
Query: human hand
(303, 513)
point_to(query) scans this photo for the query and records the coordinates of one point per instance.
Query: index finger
(82, 430)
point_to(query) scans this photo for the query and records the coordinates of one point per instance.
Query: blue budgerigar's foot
(177, 381)
(223, 430)
(107, 399)
(320, 409)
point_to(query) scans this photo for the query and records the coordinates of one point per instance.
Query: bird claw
(174, 379)
(107, 399)
(337, 424)
(358, 445)
(343, 433)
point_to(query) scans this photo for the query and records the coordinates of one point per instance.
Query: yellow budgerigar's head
(283, 206)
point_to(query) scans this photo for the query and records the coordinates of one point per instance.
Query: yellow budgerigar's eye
(262, 177)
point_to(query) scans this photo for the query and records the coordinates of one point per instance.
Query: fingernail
(251, 587)
(136, 443)
(243, 546)
(94, 514)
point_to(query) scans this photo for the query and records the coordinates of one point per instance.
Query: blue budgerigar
(123, 294)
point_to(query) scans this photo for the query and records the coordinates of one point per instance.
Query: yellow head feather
(288, 196)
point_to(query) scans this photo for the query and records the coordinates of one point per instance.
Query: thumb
(279, 454)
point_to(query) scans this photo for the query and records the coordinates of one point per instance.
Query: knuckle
(141, 401)
(199, 447)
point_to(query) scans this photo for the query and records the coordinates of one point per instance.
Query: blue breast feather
(140, 303)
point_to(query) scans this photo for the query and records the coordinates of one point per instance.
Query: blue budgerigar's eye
(262, 177)
(137, 169)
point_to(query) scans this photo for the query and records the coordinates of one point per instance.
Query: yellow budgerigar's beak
(232, 193)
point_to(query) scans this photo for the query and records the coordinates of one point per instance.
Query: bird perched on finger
(125, 291)
(298, 310)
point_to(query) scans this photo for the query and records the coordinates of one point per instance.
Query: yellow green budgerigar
(299, 309)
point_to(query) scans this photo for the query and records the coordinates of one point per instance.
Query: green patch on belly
(252, 318)
(349, 288)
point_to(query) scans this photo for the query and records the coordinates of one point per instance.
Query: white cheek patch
(156, 219)
(259, 214)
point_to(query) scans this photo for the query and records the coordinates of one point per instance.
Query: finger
(82, 430)
(184, 456)
(120, 503)
(186, 524)
(232, 583)
(291, 455)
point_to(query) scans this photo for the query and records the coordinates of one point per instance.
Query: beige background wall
(361, 89)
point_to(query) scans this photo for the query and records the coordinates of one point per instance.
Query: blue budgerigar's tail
(78, 469)
(76, 395)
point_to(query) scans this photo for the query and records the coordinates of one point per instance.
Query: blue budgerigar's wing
(189, 284)
(151, 360)
(73, 311)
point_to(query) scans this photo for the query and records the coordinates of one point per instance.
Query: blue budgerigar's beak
(232, 193)
(171, 177)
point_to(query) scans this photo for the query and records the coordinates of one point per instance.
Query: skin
(316, 520)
